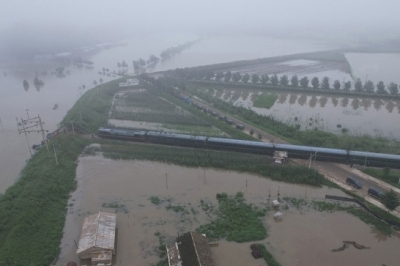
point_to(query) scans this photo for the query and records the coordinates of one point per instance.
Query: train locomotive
(294, 151)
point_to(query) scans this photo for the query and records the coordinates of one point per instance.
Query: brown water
(373, 116)
(303, 238)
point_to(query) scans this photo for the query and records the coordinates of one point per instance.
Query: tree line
(285, 81)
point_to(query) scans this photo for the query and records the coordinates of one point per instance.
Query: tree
(95, 83)
(358, 85)
(336, 85)
(295, 81)
(381, 88)
(369, 86)
(259, 136)
(101, 80)
(390, 200)
(393, 88)
(274, 80)
(284, 80)
(227, 76)
(325, 83)
(245, 78)
(26, 85)
(251, 132)
(255, 78)
(264, 79)
(236, 77)
(219, 76)
(347, 85)
(315, 83)
(209, 75)
(118, 64)
(124, 64)
(304, 82)
(141, 62)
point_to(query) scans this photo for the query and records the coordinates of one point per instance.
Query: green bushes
(32, 211)
(252, 163)
(391, 177)
(236, 221)
(268, 256)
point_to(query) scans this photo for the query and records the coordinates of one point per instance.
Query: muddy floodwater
(330, 113)
(302, 238)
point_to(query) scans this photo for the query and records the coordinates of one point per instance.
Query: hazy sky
(78, 22)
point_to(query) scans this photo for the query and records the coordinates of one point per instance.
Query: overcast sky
(83, 21)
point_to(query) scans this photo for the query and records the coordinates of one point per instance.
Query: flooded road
(130, 184)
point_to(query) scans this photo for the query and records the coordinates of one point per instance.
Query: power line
(30, 125)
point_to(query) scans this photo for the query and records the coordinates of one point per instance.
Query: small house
(97, 240)
(190, 249)
(280, 157)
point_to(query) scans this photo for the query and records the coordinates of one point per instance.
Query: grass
(33, 210)
(265, 100)
(148, 107)
(251, 163)
(269, 259)
(236, 220)
(386, 175)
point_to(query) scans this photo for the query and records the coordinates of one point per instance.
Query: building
(190, 249)
(280, 157)
(129, 82)
(97, 240)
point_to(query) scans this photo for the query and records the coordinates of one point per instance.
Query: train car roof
(177, 136)
(310, 149)
(241, 142)
(375, 155)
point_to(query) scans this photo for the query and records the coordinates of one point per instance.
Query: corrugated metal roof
(98, 230)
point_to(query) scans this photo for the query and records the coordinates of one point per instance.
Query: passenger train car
(294, 151)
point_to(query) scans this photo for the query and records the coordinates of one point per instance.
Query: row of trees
(284, 81)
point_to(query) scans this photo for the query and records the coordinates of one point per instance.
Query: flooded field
(304, 237)
(329, 113)
(301, 68)
(375, 67)
(51, 101)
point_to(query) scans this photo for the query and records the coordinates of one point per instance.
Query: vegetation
(268, 256)
(386, 175)
(236, 220)
(32, 211)
(292, 133)
(91, 110)
(265, 100)
(251, 163)
(391, 200)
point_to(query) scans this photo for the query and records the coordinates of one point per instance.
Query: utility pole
(42, 130)
(72, 122)
(55, 154)
(27, 113)
(166, 180)
(23, 130)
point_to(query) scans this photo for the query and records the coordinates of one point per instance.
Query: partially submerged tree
(264, 79)
(369, 86)
(304, 82)
(245, 78)
(295, 81)
(274, 80)
(315, 83)
(284, 80)
(393, 88)
(381, 88)
(347, 85)
(390, 200)
(358, 86)
(236, 77)
(336, 85)
(325, 83)
(255, 78)
(227, 76)
(219, 75)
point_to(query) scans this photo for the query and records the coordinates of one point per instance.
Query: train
(294, 151)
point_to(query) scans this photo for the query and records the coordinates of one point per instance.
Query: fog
(35, 27)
